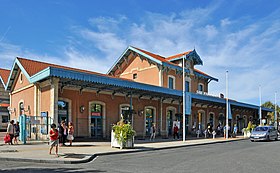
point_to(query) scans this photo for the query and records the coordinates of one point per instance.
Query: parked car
(265, 133)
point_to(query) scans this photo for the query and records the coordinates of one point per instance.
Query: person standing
(234, 130)
(16, 132)
(61, 133)
(65, 132)
(153, 132)
(53, 139)
(70, 136)
(11, 131)
(175, 131)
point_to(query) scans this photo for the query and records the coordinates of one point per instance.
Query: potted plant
(247, 131)
(122, 135)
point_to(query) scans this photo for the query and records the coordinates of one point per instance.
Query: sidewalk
(82, 152)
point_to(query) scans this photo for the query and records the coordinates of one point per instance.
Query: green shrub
(123, 131)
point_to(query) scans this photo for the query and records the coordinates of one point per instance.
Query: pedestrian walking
(16, 132)
(175, 131)
(70, 136)
(11, 131)
(53, 139)
(153, 132)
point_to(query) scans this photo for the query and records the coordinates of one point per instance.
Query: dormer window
(171, 82)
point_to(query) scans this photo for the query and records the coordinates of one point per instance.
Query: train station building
(142, 87)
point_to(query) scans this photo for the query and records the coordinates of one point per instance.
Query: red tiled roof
(4, 74)
(32, 67)
(178, 55)
(158, 57)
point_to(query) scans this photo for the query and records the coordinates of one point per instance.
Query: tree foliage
(270, 105)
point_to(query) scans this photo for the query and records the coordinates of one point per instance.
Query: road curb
(89, 158)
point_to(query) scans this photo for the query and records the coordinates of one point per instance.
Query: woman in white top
(11, 131)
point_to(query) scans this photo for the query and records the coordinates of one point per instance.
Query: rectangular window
(170, 83)
(187, 86)
(200, 87)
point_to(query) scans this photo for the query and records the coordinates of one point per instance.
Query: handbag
(7, 138)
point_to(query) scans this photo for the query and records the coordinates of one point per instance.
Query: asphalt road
(233, 157)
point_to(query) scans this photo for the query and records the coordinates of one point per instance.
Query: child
(54, 139)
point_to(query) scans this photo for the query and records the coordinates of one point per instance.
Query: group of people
(219, 131)
(222, 130)
(13, 132)
(59, 135)
(153, 132)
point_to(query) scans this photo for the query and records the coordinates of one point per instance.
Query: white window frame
(174, 81)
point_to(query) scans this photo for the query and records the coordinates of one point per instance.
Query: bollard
(197, 132)
(214, 134)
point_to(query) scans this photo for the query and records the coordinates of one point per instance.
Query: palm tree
(270, 115)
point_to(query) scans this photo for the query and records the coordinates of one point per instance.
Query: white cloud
(225, 22)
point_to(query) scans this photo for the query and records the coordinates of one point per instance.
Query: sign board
(96, 114)
(62, 112)
(188, 103)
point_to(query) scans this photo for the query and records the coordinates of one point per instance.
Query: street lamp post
(184, 106)
(275, 111)
(260, 113)
(227, 106)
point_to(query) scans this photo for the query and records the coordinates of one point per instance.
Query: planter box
(247, 134)
(117, 144)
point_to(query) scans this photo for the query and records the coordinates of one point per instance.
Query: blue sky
(240, 36)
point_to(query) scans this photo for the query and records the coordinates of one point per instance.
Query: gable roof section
(31, 67)
(160, 60)
(189, 54)
(4, 76)
(157, 59)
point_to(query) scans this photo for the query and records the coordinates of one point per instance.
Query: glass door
(169, 122)
(149, 120)
(62, 111)
(96, 127)
(96, 121)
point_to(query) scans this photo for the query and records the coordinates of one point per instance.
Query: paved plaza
(82, 152)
